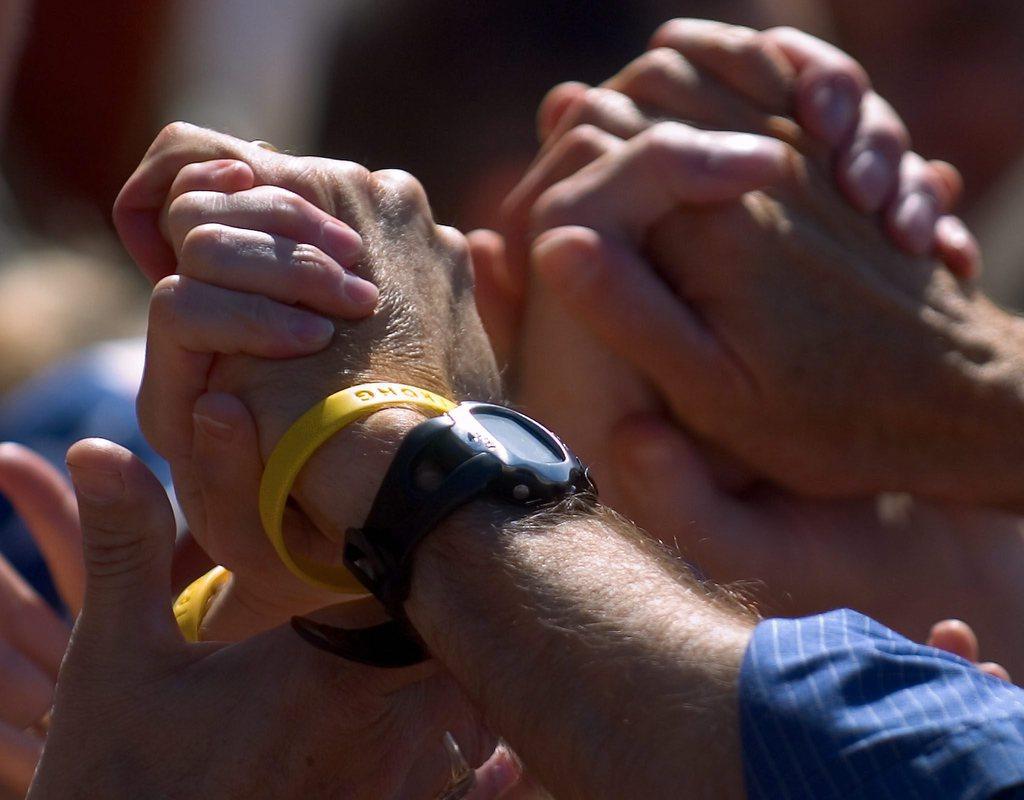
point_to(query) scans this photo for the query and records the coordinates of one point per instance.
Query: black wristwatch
(477, 450)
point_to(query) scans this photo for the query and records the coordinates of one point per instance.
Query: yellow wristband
(303, 439)
(193, 603)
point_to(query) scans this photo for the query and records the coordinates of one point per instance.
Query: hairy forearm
(609, 669)
(597, 656)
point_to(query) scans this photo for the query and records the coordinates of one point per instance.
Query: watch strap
(380, 553)
(389, 645)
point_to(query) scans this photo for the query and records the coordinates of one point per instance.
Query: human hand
(728, 65)
(908, 411)
(704, 71)
(264, 258)
(899, 560)
(32, 636)
(246, 256)
(722, 76)
(424, 279)
(270, 717)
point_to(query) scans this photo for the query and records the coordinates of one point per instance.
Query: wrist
(338, 484)
(469, 542)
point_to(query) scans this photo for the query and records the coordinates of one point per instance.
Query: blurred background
(446, 89)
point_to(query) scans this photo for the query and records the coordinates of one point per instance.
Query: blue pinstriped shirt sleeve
(838, 706)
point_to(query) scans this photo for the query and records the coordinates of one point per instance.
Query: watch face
(520, 442)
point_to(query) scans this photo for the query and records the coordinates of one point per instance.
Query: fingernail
(99, 486)
(503, 774)
(915, 218)
(342, 243)
(213, 428)
(870, 177)
(961, 249)
(955, 232)
(311, 329)
(835, 109)
(359, 291)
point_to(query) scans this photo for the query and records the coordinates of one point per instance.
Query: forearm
(611, 672)
(608, 667)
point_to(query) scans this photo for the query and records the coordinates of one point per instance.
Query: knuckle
(341, 188)
(787, 32)
(312, 177)
(203, 244)
(401, 195)
(314, 264)
(666, 141)
(744, 46)
(188, 174)
(285, 203)
(584, 141)
(313, 168)
(658, 71)
(660, 60)
(405, 186)
(354, 183)
(684, 32)
(165, 301)
(348, 172)
(347, 177)
(187, 207)
(595, 105)
(667, 32)
(557, 98)
(174, 132)
(308, 257)
(454, 241)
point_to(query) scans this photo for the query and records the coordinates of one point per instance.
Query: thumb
(616, 294)
(128, 540)
(497, 301)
